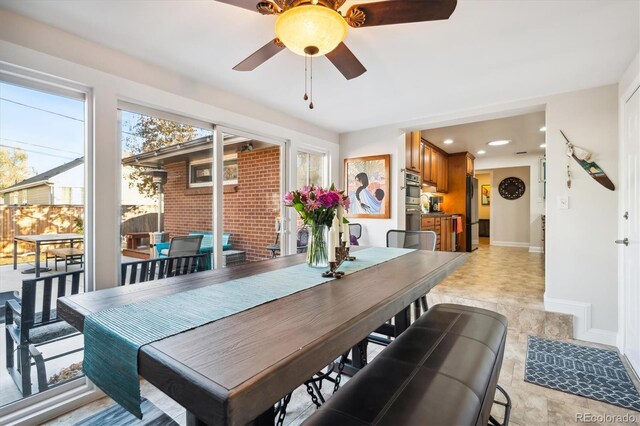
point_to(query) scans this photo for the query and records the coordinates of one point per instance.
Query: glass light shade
(311, 25)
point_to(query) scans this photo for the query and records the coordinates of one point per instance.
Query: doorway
(484, 206)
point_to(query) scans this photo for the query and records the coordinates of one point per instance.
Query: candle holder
(342, 254)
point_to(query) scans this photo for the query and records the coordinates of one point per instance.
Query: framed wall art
(368, 186)
(485, 193)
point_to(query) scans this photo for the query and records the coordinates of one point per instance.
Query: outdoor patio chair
(302, 241)
(275, 247)
(419, 240)
(162, 249)
(148, 270)
(29, 326)
(188, 245)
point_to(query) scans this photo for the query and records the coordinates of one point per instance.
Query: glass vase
(317, 254)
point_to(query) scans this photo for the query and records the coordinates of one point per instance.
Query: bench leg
(507, 408)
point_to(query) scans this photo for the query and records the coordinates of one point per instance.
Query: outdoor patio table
(233, 370)
(40, 240)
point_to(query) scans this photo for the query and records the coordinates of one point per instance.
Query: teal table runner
(113, 337)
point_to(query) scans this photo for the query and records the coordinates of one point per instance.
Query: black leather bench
(443, 370)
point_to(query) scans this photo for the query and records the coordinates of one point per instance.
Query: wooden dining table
(233, 370)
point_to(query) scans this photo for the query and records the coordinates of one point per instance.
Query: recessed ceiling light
(448, 141)
(543, 128)
(482, 151)
(498, 143)
(543, 145)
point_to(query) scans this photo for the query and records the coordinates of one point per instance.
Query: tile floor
(508, 280)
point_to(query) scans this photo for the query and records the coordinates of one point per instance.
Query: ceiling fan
(316, 27)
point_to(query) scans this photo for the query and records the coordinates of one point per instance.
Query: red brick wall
(249, 214)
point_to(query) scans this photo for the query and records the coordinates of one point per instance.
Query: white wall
(510, 218)
(112, 76)
(535, 189)
(385, 140)
(580, 251)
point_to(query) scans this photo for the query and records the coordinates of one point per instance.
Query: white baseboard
(535, 249)
(581, 312)
(509, 244)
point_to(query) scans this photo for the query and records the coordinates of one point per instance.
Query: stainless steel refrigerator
(472, 225)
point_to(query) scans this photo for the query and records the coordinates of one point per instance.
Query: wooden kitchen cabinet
(446, 229)
(442, 226)
(442, 173)
(435, 162)
(426, 163)
(439, 170)
(434, 167)
(433, 224)
(470, 166)
(413, 151)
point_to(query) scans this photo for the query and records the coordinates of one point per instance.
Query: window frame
(325, 163)
(76, 393)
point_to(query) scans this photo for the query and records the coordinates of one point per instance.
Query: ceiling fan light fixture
(303, 29)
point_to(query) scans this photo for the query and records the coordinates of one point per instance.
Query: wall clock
(511, 188)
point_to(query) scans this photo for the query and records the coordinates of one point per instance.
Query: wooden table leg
(192, 420)
(265, 419)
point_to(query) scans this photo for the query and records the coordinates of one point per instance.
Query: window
(310, 169)
(200, 172)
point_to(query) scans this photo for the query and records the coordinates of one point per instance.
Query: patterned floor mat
(590, 372)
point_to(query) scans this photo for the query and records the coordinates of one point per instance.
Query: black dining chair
(418, 240)
(355, 231)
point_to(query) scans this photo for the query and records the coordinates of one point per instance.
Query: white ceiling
(522, 130)
(488, 52)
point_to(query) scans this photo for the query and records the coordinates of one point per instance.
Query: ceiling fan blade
(399, 12)
(346, 62)
(260, 56)
(245, 4)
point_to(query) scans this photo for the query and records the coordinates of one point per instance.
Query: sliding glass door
(45, 243)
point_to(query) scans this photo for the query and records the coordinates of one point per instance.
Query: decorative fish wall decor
(583, 158)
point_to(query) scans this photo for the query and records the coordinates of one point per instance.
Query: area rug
(119, 416)
(590, 372)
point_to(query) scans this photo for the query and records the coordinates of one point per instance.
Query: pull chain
(305, 78)
(311, 83)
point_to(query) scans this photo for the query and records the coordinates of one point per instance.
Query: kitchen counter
(440, 214)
